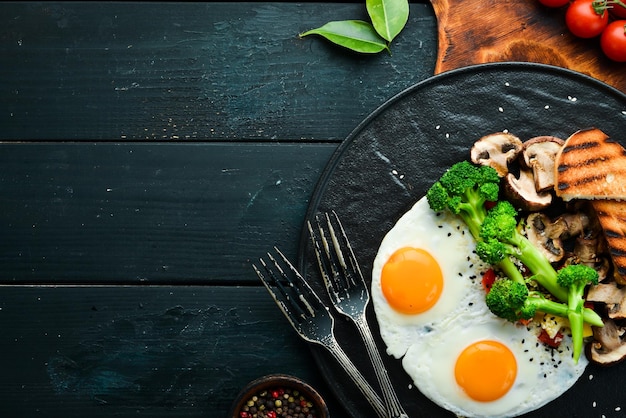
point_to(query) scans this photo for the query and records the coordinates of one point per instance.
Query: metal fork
(310, 317)
(349, 293)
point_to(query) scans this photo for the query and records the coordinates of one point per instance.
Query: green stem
(575, 307)
(539, 265)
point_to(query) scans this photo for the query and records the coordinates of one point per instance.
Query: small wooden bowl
(276, 382)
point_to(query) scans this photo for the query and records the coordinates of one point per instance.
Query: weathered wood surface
(475, 32)
(145, 213)
(148, 351)
(195, 71)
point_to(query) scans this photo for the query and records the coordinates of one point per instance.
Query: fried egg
(436, 250)
(481, 366)
(430, 307)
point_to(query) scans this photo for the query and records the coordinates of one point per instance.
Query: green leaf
(388, 16)
(356, 35)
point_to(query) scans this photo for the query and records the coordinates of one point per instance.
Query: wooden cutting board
(481, 31)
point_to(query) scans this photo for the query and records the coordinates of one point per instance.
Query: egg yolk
(486, 370)
(411, 280)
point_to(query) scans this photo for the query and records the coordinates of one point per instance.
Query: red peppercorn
(275, 394)
(271, 414)
(244, 414)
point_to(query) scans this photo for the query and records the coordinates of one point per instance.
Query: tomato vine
(597, 18)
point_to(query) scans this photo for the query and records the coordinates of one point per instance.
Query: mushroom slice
(612, 295)
(608, 348)
(496, 150)
(539, 154)
(545, 235)
(522, 193)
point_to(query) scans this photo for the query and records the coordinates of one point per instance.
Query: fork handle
(372, 397)
(390, 397)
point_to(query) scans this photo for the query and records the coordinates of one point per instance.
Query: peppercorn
(278, 403)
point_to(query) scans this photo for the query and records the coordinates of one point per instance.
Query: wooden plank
(194, 70)
(517, 30)
(150, 213)
(140, 351)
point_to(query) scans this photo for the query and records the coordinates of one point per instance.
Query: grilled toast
(612, 217)
(590, 165)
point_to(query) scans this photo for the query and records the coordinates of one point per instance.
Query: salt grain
(500, 109)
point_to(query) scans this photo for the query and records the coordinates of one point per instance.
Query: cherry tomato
(554, 3)
(550, 342)
(583, 21)
(617, 8)
(613, 41)
(488, 278)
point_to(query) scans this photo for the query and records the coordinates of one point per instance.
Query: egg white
(542, 373)
(449, 241)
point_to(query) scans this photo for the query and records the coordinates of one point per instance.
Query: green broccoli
(463, 190)
(513, 301)
(576, 277)
(500, 238)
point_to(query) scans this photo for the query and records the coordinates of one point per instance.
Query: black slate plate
(394, 155)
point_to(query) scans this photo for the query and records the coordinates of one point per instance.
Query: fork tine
(328, 261)
(351, 257)
(291, 297)
(352, 269)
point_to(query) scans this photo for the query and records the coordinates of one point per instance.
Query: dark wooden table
(150, 152)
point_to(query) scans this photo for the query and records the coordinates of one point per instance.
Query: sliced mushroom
(496, 150)
(545, 235)
(612, 295)
(572, 224)
(587, 251)
(539, 154)
(608, 347)
(522, 193)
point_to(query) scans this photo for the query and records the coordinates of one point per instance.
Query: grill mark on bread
(582, 146)
(591, 165)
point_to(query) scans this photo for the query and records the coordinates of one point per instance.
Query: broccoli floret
(513, 301)
(576, 277)
(463, 190)
(501, 239)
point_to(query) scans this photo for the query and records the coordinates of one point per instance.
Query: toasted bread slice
(590, 166)
(612, 217)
